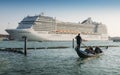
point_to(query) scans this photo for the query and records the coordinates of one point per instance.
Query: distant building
(4, 36)
(115, 39)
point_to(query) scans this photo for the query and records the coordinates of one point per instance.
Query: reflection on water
(59, 62)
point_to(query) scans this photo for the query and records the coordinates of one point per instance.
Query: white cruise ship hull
(45, 28)
(32, 35)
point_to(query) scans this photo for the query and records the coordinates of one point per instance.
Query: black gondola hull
(83, 54)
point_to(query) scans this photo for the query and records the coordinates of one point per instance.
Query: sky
(105, 11)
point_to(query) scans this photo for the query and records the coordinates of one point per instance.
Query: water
(31, 44)
(60, 62)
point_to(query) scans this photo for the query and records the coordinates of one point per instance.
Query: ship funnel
(87, 21)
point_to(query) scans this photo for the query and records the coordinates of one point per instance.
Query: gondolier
(78, 40)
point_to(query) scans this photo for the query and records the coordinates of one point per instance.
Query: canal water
(63, 61)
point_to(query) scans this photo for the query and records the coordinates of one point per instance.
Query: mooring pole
(25, 45)
(73, 43)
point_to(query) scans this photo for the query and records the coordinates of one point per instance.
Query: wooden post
(73, 43)
(25, 45)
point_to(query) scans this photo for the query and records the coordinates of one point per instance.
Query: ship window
(23, 26)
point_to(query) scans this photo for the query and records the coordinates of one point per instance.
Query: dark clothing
(78, 40)
(89, 50)
(98, 50)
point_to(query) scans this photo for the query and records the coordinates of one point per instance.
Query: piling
(25, 45)
(73, 43)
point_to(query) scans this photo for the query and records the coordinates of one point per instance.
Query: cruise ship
(45, 28)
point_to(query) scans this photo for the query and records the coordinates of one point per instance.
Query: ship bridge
(27, 22)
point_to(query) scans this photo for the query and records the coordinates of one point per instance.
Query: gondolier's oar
(84, 45)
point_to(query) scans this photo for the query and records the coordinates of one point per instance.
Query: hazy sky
(105, 11)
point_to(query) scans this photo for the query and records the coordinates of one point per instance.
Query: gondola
(83, 54)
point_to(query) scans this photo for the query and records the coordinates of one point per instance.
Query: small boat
(83, 54)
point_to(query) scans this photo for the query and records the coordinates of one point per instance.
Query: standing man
(78, 40)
